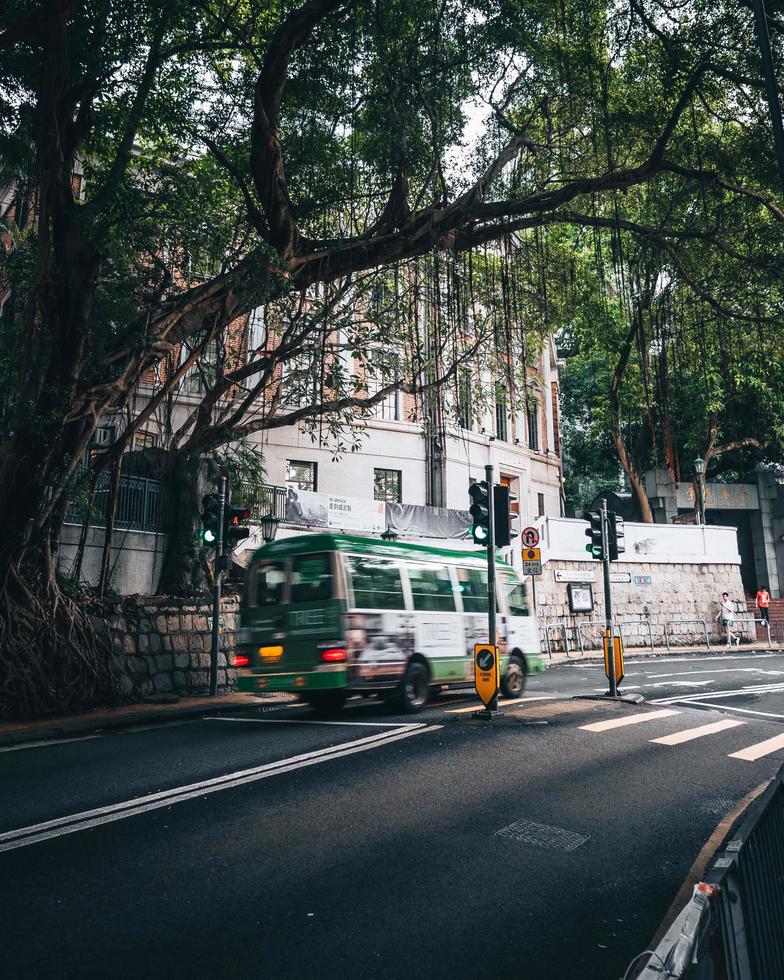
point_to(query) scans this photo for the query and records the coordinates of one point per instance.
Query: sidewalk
(716, 649)
(128, 716)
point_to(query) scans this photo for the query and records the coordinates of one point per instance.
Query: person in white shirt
(726, 616)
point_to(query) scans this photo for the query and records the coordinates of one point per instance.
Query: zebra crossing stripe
(759, 750)
(691, 733)
(605, 726)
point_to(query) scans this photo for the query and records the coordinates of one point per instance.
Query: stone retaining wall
(162, 645)
(656, 593)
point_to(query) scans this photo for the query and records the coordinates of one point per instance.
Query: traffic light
(616, 544)
(210, 518)
(235, 529)
(480, 512)
(503, 516)
(594, 532)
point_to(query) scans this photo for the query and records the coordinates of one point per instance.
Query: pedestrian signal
(235, 529)
(210, 519)
(616, 543)
(594, 533)
(480, 512)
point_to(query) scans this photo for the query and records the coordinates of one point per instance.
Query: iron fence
(733, 926)
(269, 501)
(141, 505)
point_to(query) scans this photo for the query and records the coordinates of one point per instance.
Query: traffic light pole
(216, 592)
(609, 630)
(493, 705)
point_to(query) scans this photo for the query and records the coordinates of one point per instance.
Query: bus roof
(304, 543)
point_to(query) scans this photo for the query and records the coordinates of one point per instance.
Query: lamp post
(269, 527)
(699, 469)
(389, 535)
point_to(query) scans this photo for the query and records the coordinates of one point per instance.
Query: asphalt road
(545, 844)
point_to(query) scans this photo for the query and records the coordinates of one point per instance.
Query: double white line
(37, 833)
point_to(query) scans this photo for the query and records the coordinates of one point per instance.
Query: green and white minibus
(329, 615)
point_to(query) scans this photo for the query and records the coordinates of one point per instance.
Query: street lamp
(269, 527)
(699, 469)
(389, 535)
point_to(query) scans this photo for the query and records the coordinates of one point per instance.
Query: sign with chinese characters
(562, 575)
(643, 580)
(334, 510)
(532, 561)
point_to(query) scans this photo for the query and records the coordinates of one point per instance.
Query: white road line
(723, 670)
(314, 721)
(749, 689)
(605, 726)
(517, 702)
(36, 833)
(691, 733)
(759, 750)
(723, 707)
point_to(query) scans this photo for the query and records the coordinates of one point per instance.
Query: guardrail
(559, 625)
(685, 622)
(270, 500)
(141, 505)
(619, 626)
(733, 926)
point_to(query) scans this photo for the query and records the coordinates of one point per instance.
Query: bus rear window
(377, 583)
(431, 588)
(311, 578)
(270, 579)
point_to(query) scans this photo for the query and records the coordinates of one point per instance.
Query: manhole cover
(542, 835)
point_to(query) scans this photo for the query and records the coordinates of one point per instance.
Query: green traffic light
(210, 537)
(479, 533)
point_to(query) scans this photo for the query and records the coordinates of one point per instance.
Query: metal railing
(270, 500)
(558, 625)
(733, 926)
(620, 626)
(685, 622)
(141, 505)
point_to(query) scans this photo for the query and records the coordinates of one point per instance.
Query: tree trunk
(187, 479)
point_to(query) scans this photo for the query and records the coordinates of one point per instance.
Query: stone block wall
(657, 593)
(161, 645)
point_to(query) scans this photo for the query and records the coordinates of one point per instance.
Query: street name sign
(487, 675)
(530, 537)
(532, 561)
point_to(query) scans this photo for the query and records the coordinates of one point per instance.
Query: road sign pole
(216, 592)
(493, 706)
(609, 637)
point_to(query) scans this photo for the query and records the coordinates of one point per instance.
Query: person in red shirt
(763, 602)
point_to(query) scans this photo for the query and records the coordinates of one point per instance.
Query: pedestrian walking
(763, 603)
(726, 617)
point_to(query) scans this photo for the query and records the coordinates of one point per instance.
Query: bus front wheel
(414, 691)
(513, 681)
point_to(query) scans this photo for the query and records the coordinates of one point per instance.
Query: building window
(501, 425)
(540, 505)
(144, 439)
(465, 407)
(533, 426)
(387, 485)
(301, 474)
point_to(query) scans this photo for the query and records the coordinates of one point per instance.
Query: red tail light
(333, 655)
(240, 660)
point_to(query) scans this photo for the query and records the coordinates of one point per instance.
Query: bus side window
(311, 578)
(431, 588)
(515, 595)
(376, 583)
(270, 580)
(473, 588)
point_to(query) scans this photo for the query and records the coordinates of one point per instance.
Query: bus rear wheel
(513, 681)
(414, 691)
(325, 702)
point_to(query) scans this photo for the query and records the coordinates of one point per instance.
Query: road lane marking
(691, 733)
(37, 833)
(723, 670)
(691, 703)
(517, 702)
(605, 726)
(750, 689)
(759, 750)
(315, 721)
